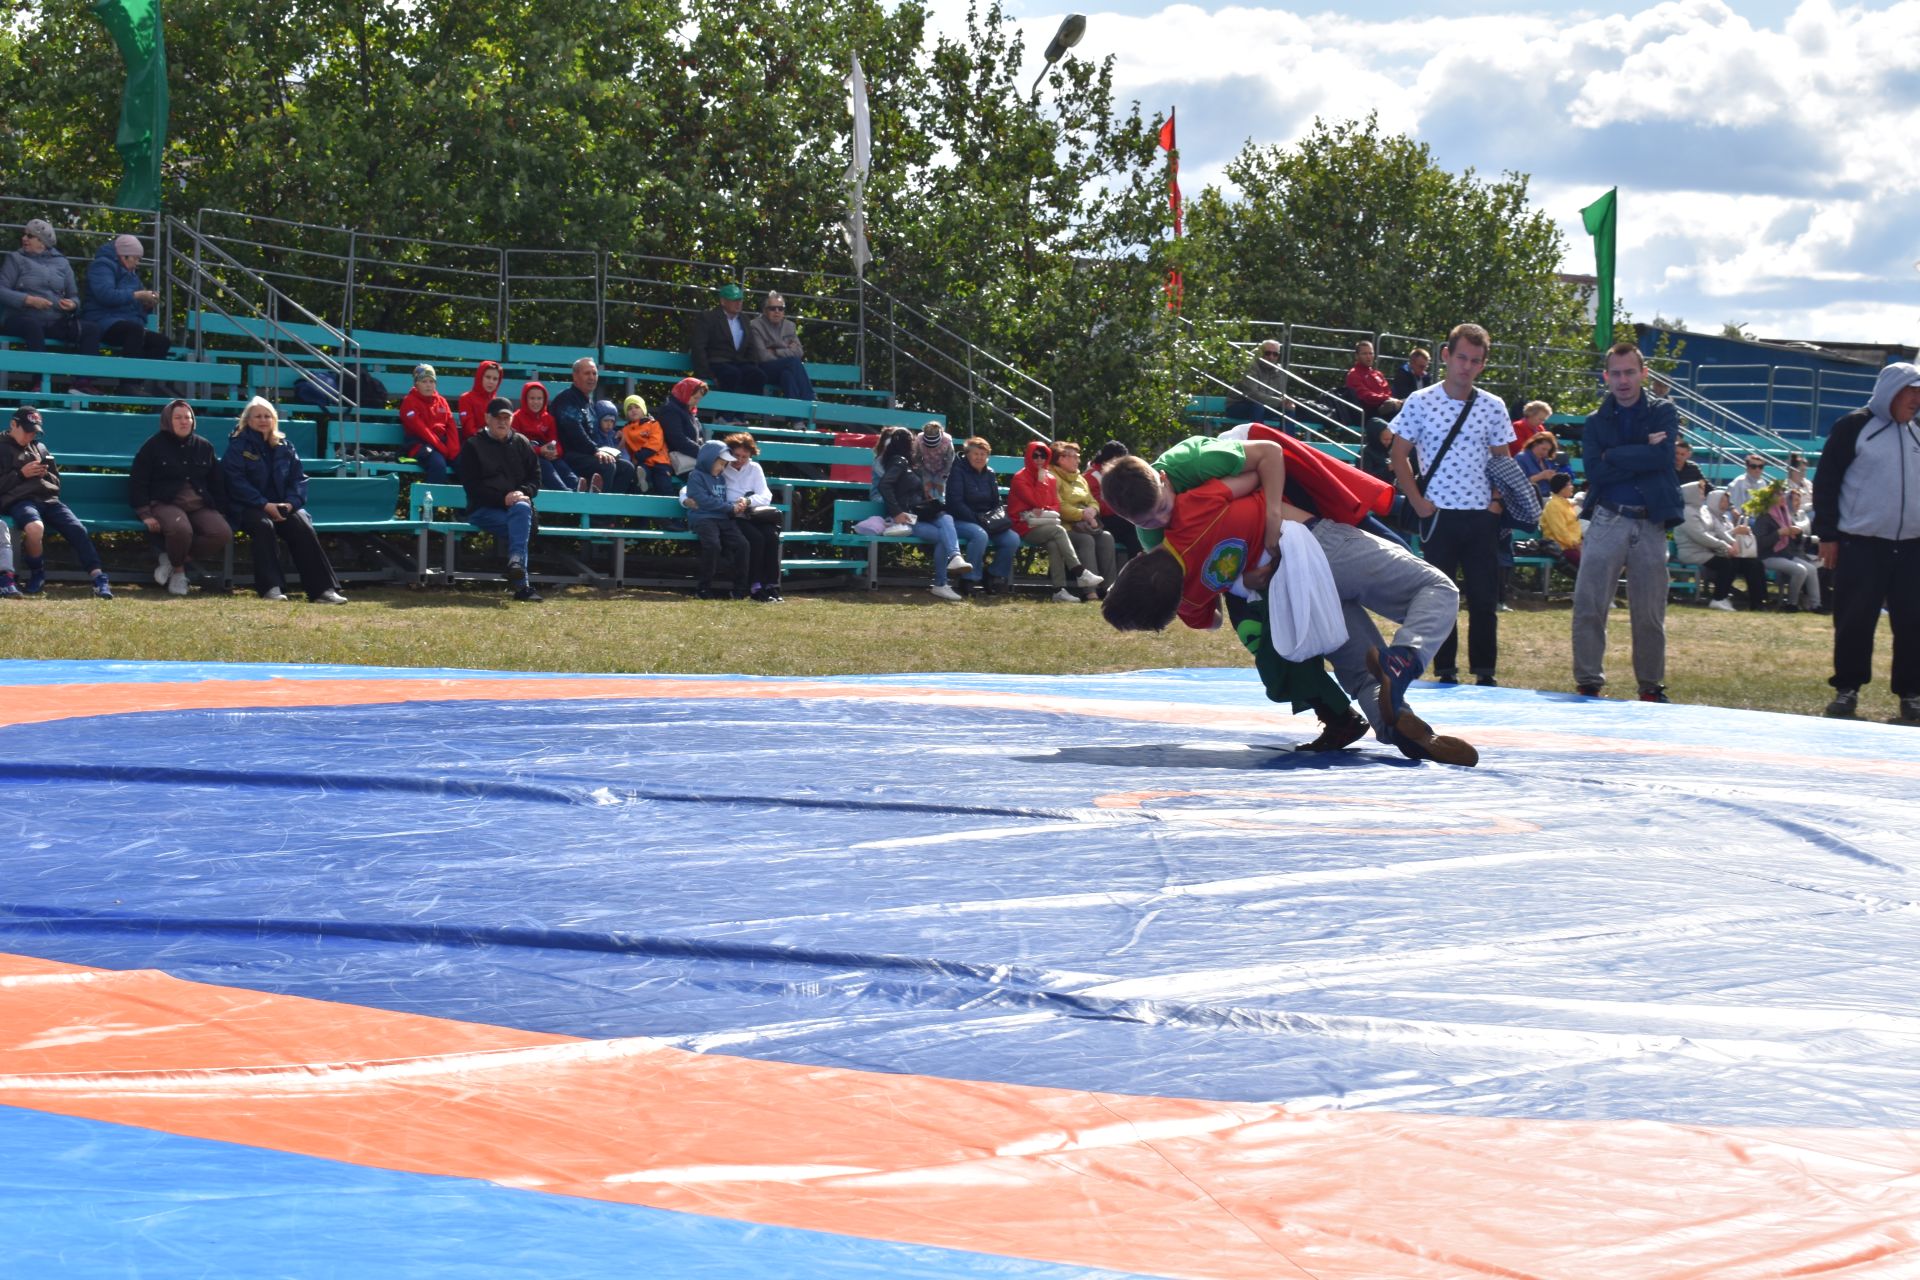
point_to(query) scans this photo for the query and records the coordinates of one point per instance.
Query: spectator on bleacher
(908, 500)
(30, 497)
(533, 421)
(267, 497)
(608, 461)
(773, 344)
(712, 515)
(1538, 462)
(1262, 388)
(597, 467)
(1708, 539)
(1412, 375)
(1034, 503)
(39, 297)
(1799, 493)
(1126, 538)
(426, 419)
(1741, 487)
(1632, 500)
(1685, 469)
(1778, 546)
(1368, 385)
(720, 354)
(1459, 532)
(1080, 512)
(474, 401)
(883, 447)
(754, 512)
(501, 474)
(176, 489)
(1531, 422)
(1866, 511)
(118, 305)
(981, 520)
(646, 447)
(1560, 521)
(1376, 450)
(680, 423)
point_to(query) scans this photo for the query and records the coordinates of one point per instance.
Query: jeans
(658, 478)
(54, 514)
(309, 558)
(1872, 574)
(434, 468)
(616, 474)
(136, 341)
(939, 531)
(34, 327)
(514, 524)
(1006, 545)
(1468, 542)
(789, 373)
(1615, 542)
(1373, 575)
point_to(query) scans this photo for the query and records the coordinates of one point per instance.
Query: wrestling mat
(345, 971)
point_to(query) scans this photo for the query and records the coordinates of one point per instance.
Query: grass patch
(1771, 662)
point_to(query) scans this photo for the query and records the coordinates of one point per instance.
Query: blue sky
(1763, 149)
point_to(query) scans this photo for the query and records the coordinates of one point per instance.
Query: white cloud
(1764, 171)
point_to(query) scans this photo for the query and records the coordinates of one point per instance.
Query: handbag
(1518, 495)
(762, 515)
(996, 522)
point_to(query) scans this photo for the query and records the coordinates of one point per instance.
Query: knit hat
(631, 401)
(732, 292)
(42, 230)
(129, 246)
(425, 373)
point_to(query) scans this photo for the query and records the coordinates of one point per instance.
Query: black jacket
(681, 429)
(713, 340)
(972, 495)
(166, 464)
(491, 469)
(15, 487)
(1615, 452)
(1831, 472)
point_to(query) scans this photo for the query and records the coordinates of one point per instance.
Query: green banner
(1602, 217)
(138, 33)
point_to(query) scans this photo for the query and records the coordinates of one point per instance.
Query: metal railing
(88, 226)
(948, 369)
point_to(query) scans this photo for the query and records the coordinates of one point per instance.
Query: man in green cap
(720, 346)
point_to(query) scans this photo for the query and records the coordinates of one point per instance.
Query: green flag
(1601, 218)
(136, 29)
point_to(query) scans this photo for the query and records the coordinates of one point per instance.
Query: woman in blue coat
(268, 489)
(119, 304)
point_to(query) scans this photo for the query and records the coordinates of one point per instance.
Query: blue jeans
(556, 474)
(1006, 545)
(515, 523)
(58, 516)
(434, 468)
(939, 531)
(789, 373)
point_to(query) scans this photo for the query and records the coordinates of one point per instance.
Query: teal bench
(106, 440)
(51, 364)
(260, 331)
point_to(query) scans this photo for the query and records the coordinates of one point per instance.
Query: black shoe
(528, 594)
(1446, 677)
(1486, 682)
(1340, 732)
(1655, 695)
(998, 586)
(1909, 711)
(1416, 740)
(1587, 690)
(1845, 704)
(517, 572)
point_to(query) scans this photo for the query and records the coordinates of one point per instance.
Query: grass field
(1766, 661)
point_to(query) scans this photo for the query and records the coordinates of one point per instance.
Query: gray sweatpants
(1374, 575)
(6, 547)
(1615, 542)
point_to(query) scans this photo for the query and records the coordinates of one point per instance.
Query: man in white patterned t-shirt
(1457, 531)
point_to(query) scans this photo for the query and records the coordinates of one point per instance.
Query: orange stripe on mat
(1169, 1186)
(39, 704)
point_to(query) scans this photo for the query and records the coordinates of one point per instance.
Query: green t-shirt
(1191, 463)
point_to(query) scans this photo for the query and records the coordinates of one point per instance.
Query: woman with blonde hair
(267, 495)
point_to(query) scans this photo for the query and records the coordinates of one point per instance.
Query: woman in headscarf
(680, 423)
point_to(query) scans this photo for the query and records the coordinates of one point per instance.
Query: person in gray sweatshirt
(39, 297)
(1866, 513)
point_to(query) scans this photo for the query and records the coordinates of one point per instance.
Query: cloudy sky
(1765, 152)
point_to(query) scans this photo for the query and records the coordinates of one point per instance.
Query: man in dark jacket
(1866, 513)
(501, 473)
(719, 350)
(30, 497)
(1633, 498)
(1412, 375)
(599, 467)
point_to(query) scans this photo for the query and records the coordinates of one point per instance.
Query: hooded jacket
(606, 425)
(1868, 481)
(429, 421)
(706, 491)
(1032, 488)
(678, 420)
(491, 469)
(166, 464)
(644, 441)
(538, 428)
(15, 487)
(473, 403)
(110, 290)
(47, 275)
(1614, 446)
(1703, 533)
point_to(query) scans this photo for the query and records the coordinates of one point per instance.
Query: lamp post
(1072, 27)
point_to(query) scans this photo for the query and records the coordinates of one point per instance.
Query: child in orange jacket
(646, 445)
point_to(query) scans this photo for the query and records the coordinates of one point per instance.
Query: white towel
(1304, 619)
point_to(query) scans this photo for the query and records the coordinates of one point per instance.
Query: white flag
(856, 231)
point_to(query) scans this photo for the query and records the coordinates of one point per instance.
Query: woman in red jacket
(429, 427)
(473, 405)
(1033, 500)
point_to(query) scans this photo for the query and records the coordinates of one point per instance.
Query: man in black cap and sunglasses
(30, 497)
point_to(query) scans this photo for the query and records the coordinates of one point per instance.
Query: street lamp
(1072, 27)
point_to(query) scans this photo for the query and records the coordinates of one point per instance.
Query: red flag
(1175, 285)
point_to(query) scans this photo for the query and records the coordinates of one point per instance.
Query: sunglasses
(776, 308)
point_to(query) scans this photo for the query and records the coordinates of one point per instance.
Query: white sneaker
(274, 593)
(1087, 580)
(177, 583)
(1723, 605)
(1063, 596)
(330, 597)
(944, 592)
(162, 571)
(959, 564)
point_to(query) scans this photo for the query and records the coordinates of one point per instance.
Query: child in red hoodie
(473, 405)
(429, 427)
(533, 421)
(1033, 500)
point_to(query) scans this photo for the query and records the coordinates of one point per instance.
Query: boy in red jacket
(428, 424)
(473, 404)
